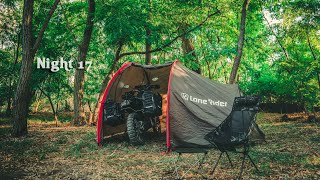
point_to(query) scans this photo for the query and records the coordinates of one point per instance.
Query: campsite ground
(64, 152)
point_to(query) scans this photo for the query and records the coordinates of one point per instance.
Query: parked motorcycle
(142, 107)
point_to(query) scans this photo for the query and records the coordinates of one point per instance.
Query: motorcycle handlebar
(151, 86)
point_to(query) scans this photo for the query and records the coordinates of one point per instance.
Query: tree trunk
(54, 111)
(79, 114)
(148, 35)
(23, 93)
(20, 104)
(237, 59)
(188, 48)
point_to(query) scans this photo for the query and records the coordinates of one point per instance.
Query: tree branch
(44, 26)
(314, 56)
(277, 38)
(173, 40)
(42, 91)
(70, 29)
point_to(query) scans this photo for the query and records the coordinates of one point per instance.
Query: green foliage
(265, 69)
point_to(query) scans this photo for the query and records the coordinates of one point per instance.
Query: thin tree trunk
(225, 77)
(54, 111)
(23, 93)
(148, 35)
(188, 48)
(209, 69)
(224, 72)
(38, 102)
(79, 114)
(90, 119)
(148, 46)
(11, 81)
(237, 59)
(214, 70)
(56, 114)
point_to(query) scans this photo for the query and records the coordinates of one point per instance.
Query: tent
(195, 104)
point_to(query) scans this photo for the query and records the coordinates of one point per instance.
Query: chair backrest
(235, 129)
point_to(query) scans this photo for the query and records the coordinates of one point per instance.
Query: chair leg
(176, 167)
(242, 165)
(202, 160)
(215, 166)
(199, 162)
(229, 159)
(252, 162)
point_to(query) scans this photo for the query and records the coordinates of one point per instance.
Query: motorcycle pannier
(151, 103)
(111, 113)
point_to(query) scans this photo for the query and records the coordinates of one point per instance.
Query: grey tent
(195, 104)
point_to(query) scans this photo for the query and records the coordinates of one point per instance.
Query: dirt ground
(49, 152)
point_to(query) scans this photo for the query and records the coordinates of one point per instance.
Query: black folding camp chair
(235, 131)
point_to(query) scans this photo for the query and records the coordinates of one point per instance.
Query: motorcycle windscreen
(197, 106)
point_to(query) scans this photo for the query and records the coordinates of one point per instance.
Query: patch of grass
(84, 146)
(4, 121)
(61, 140)
(6, 130)
(315, 139)
(284, 158)
(16, 147)
(264, 170)
(48, 117)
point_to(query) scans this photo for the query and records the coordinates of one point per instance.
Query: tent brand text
(188, 97)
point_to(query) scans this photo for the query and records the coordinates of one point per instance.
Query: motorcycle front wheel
(135, 129)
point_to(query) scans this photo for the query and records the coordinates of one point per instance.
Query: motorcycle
(142, 107)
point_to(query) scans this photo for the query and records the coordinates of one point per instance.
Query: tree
(79, 114)
(56, 88)
(10, 35)
(189, 50)
(29, 48)
(237, 58)
(148, 33)
(129, 33)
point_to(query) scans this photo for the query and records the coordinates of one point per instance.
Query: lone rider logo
(205, 101)
(185, 96)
